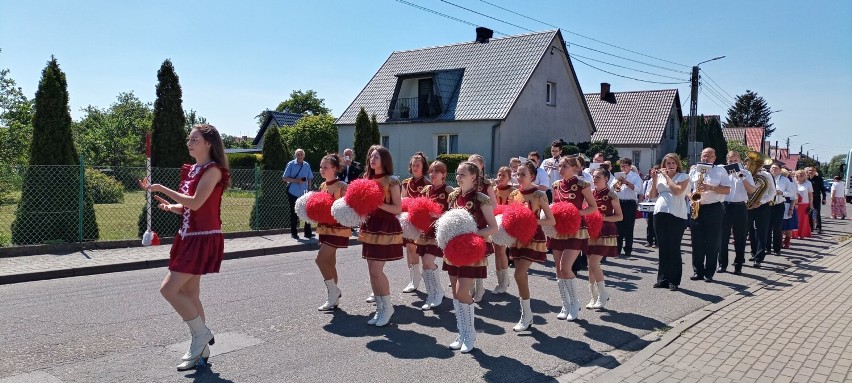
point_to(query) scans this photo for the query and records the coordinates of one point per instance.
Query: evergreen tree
(363, 135)
(50, 199)
(272, 201)
(376, 138)
(750, 110)
(708, 132)
(168, 147)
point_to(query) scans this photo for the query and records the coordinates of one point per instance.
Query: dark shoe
(751, 259)
(673, 288)
(757, 265)
(310, 236)
(722, 269)
(696, 277)
(661, 285)
(708, 279)
(295, 236)
(738, 270)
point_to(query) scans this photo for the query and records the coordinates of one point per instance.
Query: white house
(276, 119)
(642, 125)
(496, 97)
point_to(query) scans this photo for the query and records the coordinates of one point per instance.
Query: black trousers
(758, 231)
(294, 219)
(776, 221)
(650, 234)
(706, 233)
(816, 204)
(669, 231)
(626, 225)
(735, 220)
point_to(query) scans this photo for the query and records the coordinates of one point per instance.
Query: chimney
(483, 34)
(604, 90)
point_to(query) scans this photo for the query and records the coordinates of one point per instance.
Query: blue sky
(236, 59)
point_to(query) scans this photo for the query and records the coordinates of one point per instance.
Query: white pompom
(453, 223)
(408, 230)
(301, 208)
(501, 237)
(344, 214)
(549, 231)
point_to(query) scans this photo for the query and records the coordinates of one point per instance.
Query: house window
(386, 141)
(637, 156)
(551, 93)
(448, 144)
(671, 127)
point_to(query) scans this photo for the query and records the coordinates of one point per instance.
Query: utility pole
(693, 149)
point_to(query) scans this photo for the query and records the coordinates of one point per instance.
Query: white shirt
(626, 192)
(550, 167)
(738, 191)
(838, 188)
(769, 195)
(667, 202)
(587, 176)
(715, 176)
(542, 179)
(785, 186)
(803, 189)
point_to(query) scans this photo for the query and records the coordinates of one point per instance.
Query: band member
(566, 248)
(784, 193)
(381, 234)
(670, 212)
(411, 188)
(735, 216)
(524, 254)
(709, 189)
(759, 213)
(650, 235)
(627, 189)
(461, 277)
(501, 259)
(427, 245)
(549, 165)
(603, 246)
(199, 246)
(485, 187)
(331, 237)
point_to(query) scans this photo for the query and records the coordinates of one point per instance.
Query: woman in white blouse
(670, 212)
(838, 203)
(806, 195)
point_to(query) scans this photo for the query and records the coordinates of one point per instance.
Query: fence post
(256, 197)
(80, 198)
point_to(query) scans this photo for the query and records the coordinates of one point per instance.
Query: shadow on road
(631, 320)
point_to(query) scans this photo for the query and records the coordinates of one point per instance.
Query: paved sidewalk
(798, 329)
(87, 262)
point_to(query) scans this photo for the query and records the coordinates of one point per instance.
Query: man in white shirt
(706, 230)
(735, 216)
(758, 218)
(650, 234)
(598, 159)
(627, 187)
(551, 166)
(784, 193)
(541, 179)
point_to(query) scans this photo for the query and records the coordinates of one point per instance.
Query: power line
(685, 102)
(720, 87)
(710, 98)
(628, 77)
(621, 66)
(713, 97)
(583, 36)
(484, 15)
(718, 92)
(715, 94)
(444, 15)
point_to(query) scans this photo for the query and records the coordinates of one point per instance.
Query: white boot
(458, 342)
(593, 293)
(387, 311)
(574, 308)
(526, 316)
(333, 296)
(438, 298)
(502, 281)
(201, 336)
(428, 282)
(603, 295)
(379, 308)
(193, 363)
(479, 289)
(468, 332)
(566, 299)
(414, 275)
(370, 299)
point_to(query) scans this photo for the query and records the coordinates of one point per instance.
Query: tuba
(755, 161)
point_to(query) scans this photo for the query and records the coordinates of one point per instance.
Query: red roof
(754, 136)
(789, 162)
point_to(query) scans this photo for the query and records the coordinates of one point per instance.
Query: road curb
(152, 263)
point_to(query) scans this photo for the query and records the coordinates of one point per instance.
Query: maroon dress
(381, 234)
(427, 244)
(571, 191)
(502, 194)
(472, 201)
(412, 188)
(336, 235)
(606, 244)
(199, 246)
(536, 249)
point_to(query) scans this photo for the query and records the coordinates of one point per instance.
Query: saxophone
(696, 196)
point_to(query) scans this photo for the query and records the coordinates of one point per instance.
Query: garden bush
(103, 188)
(244, 160)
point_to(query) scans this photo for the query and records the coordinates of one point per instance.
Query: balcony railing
(414, 107)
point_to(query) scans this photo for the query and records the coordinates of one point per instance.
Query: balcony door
(424, 90)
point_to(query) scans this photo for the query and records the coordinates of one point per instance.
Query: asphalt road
(117, 328)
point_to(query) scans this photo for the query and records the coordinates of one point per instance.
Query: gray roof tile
(632, 118)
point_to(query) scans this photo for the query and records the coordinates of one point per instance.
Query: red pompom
(364, 196)
(405, 201)
(594, 223)
(567, 218)
(422, 212)
(465, 250)
(318, 208)
(499, 209)
(520, 222)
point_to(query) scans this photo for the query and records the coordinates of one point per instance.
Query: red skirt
(197, 254)
(381, 237)
(606, 245)
(804, 230)
(429, 249)
(535, 251)
(473, 272)
(336, 236)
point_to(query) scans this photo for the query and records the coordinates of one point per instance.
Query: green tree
(707, 131)
(315, 134)
(591, 148)
(835, 167)
(363, 135)
(50, 199)
(16, 114)
(234, 142)
(739, 147)
(272, 203)
(168, 146)
(192, 118)
(376, 137)
(115, 136)
(304, 103)
(750, 110)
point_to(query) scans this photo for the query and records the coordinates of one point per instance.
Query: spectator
(818, 185)
(350, 169)
(838, 203)
(298, 175)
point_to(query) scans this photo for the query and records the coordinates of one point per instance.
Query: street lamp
(692, 150)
